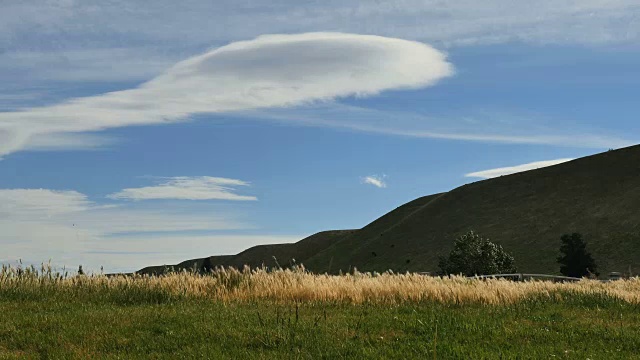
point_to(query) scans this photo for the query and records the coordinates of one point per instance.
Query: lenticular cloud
(269, 71)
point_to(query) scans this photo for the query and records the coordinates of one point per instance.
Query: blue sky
(132, 136)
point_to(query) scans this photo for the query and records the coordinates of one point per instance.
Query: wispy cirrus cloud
(269, 71)
(484, 127)
(187, 188)
(375, 180)
(70, 141)
(492, 173)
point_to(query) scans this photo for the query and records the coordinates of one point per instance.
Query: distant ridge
(598, 196)
(261, 255)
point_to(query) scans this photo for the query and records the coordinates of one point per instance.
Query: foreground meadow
(295, 314)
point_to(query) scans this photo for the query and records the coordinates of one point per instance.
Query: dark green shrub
(474, 255)
(575, 261)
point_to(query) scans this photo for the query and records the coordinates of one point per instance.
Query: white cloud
(72, 208)
(492, 173)
(41, 224)
(187, 188)
(45, 42)
(41, 202)
(269, 71)
(375, 180)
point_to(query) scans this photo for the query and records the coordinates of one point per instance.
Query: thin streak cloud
(187, 188)
(492, 173)
(486, 129)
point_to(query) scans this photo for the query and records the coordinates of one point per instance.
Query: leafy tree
(575, 261)
(475, 255)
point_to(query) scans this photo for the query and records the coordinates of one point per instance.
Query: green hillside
(598, 196)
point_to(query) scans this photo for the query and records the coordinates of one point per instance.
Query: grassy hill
(598, 196)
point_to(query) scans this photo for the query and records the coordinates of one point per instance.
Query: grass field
(297, 315)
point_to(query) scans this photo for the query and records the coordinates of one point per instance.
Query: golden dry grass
(297, 285)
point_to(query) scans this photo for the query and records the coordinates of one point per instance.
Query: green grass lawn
(578, 327)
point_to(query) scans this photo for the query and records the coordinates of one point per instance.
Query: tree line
(473, 254)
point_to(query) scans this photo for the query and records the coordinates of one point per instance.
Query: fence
(523, 277)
